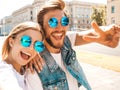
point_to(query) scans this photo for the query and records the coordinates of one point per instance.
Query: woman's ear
(11, 42)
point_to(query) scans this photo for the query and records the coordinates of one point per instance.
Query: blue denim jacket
(53, 77)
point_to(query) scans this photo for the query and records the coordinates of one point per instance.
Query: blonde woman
(22, 44)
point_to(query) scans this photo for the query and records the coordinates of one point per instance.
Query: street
(94, 47)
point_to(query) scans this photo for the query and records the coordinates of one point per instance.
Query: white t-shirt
(72, 82)
(10, 79)
(72, 36)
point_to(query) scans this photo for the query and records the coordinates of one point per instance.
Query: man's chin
(54, 43)
(58, 46)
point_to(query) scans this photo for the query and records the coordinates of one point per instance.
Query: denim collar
(66, 50)
(50, 61)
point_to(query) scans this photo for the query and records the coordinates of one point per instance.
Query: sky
(7, 7)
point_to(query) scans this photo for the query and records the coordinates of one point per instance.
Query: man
(61, 70)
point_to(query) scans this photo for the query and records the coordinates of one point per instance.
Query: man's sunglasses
(26, 42)
(53, 22)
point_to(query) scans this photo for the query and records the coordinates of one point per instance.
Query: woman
(22, 44)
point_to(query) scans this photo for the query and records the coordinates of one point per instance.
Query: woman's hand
(37, 63)
(109, 37)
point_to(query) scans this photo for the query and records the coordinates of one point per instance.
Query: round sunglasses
(53, 22)
(26, 42)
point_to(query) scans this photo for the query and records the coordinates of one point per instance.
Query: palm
(108, 37)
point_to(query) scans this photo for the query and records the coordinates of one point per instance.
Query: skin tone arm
(109, 37)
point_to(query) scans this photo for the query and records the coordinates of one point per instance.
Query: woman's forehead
(35, 35)
(28, 32)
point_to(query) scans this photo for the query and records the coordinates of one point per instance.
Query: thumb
(96, 27)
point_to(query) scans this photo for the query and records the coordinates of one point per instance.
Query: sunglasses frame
(26, 41)
(53, 22)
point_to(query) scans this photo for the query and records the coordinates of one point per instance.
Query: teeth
(58, 34)
(25, 56)
(27, 53)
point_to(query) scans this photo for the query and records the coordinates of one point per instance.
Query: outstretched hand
(36, 64)
(108, 37)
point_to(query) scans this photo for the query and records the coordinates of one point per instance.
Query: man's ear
(11, 42)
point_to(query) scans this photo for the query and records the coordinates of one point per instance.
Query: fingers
(31, 67)
(113, 43)
(27, 66)
(41, 60)
(38, 63)
(118, 34)
(96, 27)
(117, 28)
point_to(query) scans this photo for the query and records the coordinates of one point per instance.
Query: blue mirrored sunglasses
(53, 22)
(26, 42)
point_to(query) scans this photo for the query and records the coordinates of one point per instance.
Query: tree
(99, 15)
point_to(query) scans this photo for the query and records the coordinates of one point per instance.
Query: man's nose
(59, 26)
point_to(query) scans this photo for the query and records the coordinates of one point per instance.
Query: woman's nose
(31, 47)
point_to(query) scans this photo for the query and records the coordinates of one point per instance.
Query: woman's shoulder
(8, 80)
(6, 69)
(4, 65)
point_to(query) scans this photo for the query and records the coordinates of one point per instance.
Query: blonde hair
(49, 6)
(15, 31)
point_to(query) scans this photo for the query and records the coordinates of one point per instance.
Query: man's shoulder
(71, 32)
(72, 36)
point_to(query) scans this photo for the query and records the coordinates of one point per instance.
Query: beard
(49, 41)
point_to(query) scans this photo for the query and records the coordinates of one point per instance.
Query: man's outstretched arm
(109, 37)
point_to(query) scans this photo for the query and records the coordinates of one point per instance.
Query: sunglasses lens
(64, 21)
(39, 46)
(53, 22)
(25, 41)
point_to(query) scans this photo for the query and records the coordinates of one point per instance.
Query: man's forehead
(55, 13)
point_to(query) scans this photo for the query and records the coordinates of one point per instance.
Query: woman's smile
(25, 55)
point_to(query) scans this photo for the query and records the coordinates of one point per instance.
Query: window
(87, 22)
(112, 9)
(78, 15)
(31, 18)
(112, 20)
(87, 16)
(83, 21)
(31, 13)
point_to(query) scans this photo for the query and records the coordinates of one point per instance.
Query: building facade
(5, 25)
(22, 15)
(80, 13)
(36, 6)
(113, 12)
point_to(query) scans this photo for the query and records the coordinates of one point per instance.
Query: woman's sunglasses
(26, 42)
(53, 22)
